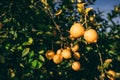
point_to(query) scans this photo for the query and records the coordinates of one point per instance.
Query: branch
(51, 16)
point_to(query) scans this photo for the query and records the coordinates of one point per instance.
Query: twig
(101, 62)
(51, 16)
(2, 15)
(85, 57)
(85, 22)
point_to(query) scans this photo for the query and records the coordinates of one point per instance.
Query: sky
(106, 5)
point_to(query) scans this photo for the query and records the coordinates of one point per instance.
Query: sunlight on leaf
(25, 52)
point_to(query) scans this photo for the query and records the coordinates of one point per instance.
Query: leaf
(44, 2)
(79, 1)
(88, 48)
(30, 40)
(80, 7)
(7, 46)
(58, 12)
(87, 10)
(40, 64)
(30, 60)
(11, 73)
(34, 64)
(41, 58)
(40, 33)
(25, 52)
(21, 65)
(41, 51)
(31, 54)
(107, 63)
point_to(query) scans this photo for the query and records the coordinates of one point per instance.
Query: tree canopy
(32, 32)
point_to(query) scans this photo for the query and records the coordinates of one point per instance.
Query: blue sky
(106, 5)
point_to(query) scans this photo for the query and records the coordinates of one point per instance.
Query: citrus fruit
(77, 30)
(59, 51)
(76, 66)
(66, 53)
(50, 54)
(91, 18)
(57, 58)
(91, 36)
(111, 74)
(76, 55)
(75, 47)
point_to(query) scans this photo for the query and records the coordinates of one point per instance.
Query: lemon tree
(58, 40)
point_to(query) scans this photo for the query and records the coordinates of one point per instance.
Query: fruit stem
(85, 20)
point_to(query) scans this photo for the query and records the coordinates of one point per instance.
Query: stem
(86, 21)
(51, 16)
(85, 57)
(101, 63)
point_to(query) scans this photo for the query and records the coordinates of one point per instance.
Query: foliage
(29, 28)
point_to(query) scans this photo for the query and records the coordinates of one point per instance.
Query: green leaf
(40, 33)
(41, 51)
(88, 48)
(25, 52)
(30, 60)
(19, 47)
(34, 64)
(40, 64)
(31, 54)
(41, 58)
(29, 42)
(7, 46)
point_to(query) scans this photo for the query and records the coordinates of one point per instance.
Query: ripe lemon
(50, 54)
(57, 58)
(76, 55)
(91, 36)
(91, 18)
(75, 48)
(66, 53)
(76, 66)
(111, 74)
(59, 51)
(77, 30)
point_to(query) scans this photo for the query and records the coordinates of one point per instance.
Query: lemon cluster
(66, 53)
(77, 30)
